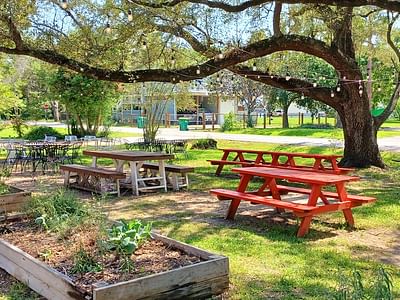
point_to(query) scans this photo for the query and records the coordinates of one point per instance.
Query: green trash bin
(183, 124)
(141, 121)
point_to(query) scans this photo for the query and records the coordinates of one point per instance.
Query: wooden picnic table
(135, 159)
(274, 159)
(270, 192)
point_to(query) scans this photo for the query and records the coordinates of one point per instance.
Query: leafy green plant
(18, 125)
(205, 144)
(38, 133)
(84, 262)
(353, 288)
(60, 211)
(125, 237)
(46, 254)
(4, 188)
(230, 122)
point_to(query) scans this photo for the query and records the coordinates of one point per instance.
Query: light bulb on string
(258, 77)
(254, 67)
(344, 78)
(198, 71)
(108, 28)
(360, 92)
(379, 88)
(332, 94)
(144, 45)
(314, 84)
(287, 77)
(130, 15)
(338, 88)
(272, 76)
(220, 55)
(302, 97)
(64, 4)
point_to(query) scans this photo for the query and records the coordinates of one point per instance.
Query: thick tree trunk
(56, 111)
(360, 135)
(285, 117)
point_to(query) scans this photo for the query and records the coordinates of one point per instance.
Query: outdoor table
(273, 159)
(269, 193)
(135, 160)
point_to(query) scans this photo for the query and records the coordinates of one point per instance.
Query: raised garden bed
(13, 200)
(183, 271)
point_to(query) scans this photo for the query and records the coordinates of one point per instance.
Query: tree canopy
(173, 41)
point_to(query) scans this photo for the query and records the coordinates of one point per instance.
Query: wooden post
(319, 119)
(244, 121)
(299, 118)
(326, 119)
(269, 119)
(302, 119)
(212, 121)
(204, 120)
(167, 120)
(265, 120)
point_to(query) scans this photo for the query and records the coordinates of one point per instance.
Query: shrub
(38, 133)
(205, 144)
(18, 125)
(230, 122)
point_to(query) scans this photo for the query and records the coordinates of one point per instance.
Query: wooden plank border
(205, 279)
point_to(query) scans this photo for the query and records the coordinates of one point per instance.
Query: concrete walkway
(389, 144)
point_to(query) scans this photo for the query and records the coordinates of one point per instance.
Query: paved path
(390, 143)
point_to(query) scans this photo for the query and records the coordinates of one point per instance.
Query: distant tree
(87, 100)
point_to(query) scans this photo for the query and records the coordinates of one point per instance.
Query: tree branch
(277, 18)
(379, 120)
(294, 85)
(384, 4)
(15, 35)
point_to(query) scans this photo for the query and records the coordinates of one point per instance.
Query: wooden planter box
(14, 201)
(197, 281)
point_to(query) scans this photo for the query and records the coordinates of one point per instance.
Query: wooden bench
(177, 176)
(92, 179)
(357, 200)
(299, 210)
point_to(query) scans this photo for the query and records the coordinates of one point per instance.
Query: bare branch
(277, 18)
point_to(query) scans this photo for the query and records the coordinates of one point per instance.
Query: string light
(198, 71)
(130, 15)
(287, 77)
(302, 96)
(254, 67)
(314, 84)
(220, 55)
(64, 4)
(379, 88)
(108, 28)
(332, 94)
(144, 45)
(344, 78)
(338, 88)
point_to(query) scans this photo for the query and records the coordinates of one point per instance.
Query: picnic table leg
(94, 161)
(244, 181)
(161, 169)
(312, 201)
(134, 183)
(221, 165)
(348, 215)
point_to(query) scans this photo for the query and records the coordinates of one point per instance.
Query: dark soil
(151, 257)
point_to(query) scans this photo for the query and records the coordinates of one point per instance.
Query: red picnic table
(270, 192)
(279, 159)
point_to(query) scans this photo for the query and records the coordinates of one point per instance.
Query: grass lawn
(9, 132)
(316, 133)
(266, 258)
(267, 261)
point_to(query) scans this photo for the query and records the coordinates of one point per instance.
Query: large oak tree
(113, 40)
